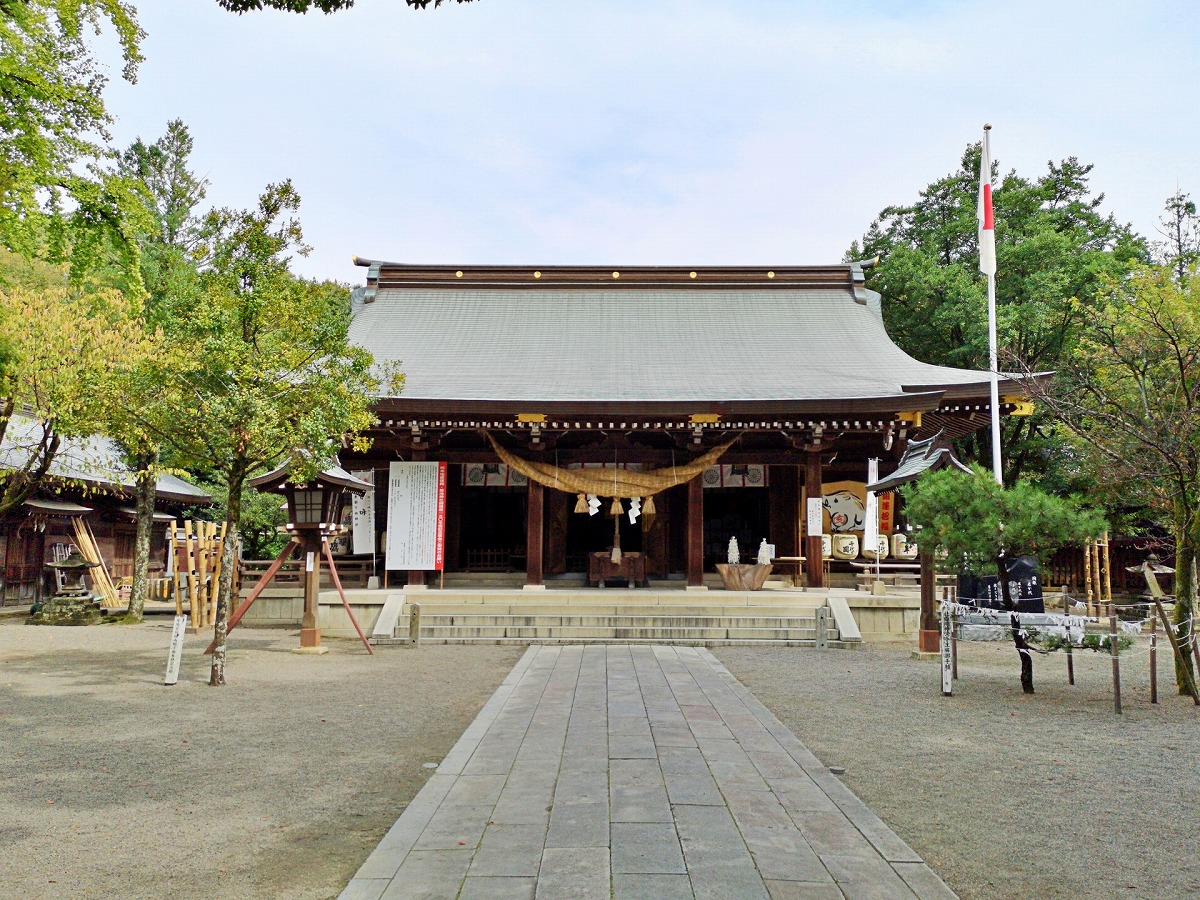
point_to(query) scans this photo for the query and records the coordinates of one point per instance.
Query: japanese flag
(987, 224)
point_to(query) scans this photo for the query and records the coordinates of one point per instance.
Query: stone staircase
(616, 615)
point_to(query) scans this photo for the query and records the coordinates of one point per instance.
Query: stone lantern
(71, 603)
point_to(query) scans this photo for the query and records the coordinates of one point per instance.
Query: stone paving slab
(635, 772)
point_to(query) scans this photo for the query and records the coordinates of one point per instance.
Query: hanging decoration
(619, 483)
(593, 504)
(581, 504)
(635, 509)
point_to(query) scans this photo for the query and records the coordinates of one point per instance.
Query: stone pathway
(635, 772)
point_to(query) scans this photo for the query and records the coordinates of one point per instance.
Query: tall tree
(1180, 227)
(170, 254)
(1054, 246)
(1130, 396)
(53, 120)
(273, 374)
(973, 519)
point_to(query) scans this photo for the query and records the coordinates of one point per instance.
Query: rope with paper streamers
(618, 484)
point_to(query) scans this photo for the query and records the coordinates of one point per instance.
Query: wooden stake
(174, 566)
(1107, 571)
(1116, 663)
(1154, 660)
(202, 573)
(1070, 666)
(189, 556)
(1190, 687)
(337, 583)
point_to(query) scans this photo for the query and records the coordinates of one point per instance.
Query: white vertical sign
(416, 516)
(871, 526)
(362, 515)
(176, 652)
(816, 516)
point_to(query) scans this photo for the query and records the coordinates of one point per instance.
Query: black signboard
(1024, 587)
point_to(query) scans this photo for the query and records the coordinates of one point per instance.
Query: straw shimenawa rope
(617, 483)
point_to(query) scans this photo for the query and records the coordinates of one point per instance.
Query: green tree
(972, 520)
(169, 244)
(273, 374)
(1130, 397)
(67, 355)
(1180, 227)
(1054, 246)
(53, 121)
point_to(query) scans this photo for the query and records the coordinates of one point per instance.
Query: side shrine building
(721, 398)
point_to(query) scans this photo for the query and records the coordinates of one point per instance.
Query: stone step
(525, 612)
(620, 621)
(686, 642)
(639, 632)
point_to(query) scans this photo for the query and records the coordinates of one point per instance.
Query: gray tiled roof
(920, 457)
(651, 344)
(94, 459)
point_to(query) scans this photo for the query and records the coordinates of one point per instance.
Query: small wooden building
(88, 483)
(649, 368)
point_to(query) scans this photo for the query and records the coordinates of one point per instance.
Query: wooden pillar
(534, 527)
(454, 479)
(695, 532)
(928, 640)
(558, 505)
(813, 569)
(310, 562)
(783, 503)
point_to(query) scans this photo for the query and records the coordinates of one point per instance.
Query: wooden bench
(897, 574)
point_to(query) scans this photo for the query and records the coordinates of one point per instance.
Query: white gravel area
(281, 783)
(277, 785)
(1006, 795)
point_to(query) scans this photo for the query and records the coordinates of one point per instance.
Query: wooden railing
(352, 572)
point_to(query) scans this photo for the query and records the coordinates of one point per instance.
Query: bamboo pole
(1087, 574)
(189, 556)
(212, 558)
(1107, 570)
(101, 581)
(218, 555)
(171, 551)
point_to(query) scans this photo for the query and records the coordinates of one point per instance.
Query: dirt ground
(1006, 795)
(277, 785)
(281, 783)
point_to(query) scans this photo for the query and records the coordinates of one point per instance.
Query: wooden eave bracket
(1021, 406)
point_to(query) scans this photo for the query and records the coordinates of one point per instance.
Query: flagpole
(985, 173)
(994, 365)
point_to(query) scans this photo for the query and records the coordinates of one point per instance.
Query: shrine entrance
(734, 512)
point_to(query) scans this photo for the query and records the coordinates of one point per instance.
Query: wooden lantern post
(314, 517)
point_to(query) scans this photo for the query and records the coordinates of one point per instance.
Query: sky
(636, 132)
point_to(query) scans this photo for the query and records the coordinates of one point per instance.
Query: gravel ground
(277, 785)
(1006, 795)
(281, 783)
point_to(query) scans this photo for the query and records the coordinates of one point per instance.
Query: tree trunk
(233, 515)
(1018, 638)
(1185, 589)
(145, 491)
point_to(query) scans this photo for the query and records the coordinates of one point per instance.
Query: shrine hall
(658, 410)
